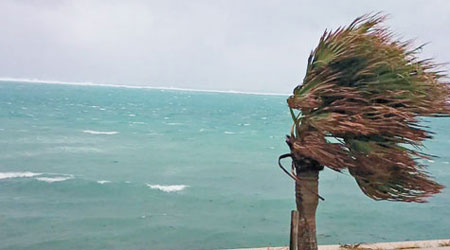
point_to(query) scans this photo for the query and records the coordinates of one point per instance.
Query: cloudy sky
(243, 45)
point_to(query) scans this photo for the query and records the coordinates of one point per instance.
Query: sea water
(95, 167)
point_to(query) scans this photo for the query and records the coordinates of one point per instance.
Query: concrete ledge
(417, 245)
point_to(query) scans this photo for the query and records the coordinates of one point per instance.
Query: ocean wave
(54, 179)
(52, 150)
(8, 175)
(174, 123)
(70, 149)
(24, 80)
(103, 181)
(168, 188)
(100, 132)
(229, 133)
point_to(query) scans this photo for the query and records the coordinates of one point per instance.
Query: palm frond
(369, 90)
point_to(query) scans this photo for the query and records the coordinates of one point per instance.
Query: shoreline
(443, 244)
(92, 84)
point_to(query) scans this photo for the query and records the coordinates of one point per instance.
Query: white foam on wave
(168, 188)
(174, 123)
(103, 181)
(54, 179)
(100, 132)
(8, 175)
(229, 133)
(25, 80)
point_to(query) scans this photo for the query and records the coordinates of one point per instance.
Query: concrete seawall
(417, 245)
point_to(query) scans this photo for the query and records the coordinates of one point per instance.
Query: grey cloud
(240, 45)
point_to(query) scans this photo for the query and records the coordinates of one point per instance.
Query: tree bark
(293, 245)
(306, 191)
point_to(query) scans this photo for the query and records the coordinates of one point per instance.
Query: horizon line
(27, 80)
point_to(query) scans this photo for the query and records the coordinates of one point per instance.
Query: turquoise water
(85, 167)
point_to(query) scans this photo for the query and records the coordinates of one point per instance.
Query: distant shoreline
(20, 80)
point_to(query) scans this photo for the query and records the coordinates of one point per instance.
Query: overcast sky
(242, 45)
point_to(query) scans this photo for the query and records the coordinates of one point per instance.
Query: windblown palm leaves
(360, 104)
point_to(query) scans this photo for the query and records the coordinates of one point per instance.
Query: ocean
(97, 167)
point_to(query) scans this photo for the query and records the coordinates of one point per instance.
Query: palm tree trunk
(306, 191)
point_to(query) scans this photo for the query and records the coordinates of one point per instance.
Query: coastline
(443, 244)
(38, 81)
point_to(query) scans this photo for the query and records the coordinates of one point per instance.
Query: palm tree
(360, 106)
